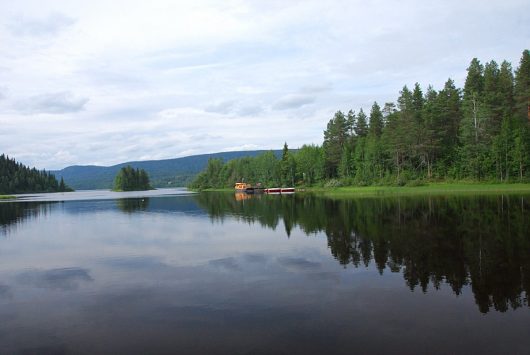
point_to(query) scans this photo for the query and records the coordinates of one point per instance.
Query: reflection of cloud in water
(66, 279)
(225, 263)
(255, 258)
(5, 292)
(324, 276)
(178, 314)
(136, 262)
(298, 264)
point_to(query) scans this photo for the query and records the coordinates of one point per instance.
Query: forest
(480, 132)
(130, 179)
(16, 178)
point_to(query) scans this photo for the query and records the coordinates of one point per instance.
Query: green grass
(429, 189)
(7, 197)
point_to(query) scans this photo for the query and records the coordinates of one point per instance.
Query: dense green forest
(130, 179)
(16, 178)
(480, 132)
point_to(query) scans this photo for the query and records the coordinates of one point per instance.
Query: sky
(104, 82)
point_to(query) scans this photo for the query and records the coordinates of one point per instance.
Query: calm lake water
(214, 273)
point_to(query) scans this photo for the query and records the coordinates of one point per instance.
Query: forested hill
(162, 173)
(480, 132)
(16, 178)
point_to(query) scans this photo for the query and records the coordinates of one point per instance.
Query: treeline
(16, 178)
(130, 179)
(479, 132)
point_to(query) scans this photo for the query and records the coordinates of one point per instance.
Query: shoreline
(428, 189)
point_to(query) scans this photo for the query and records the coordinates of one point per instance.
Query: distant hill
(162, 173)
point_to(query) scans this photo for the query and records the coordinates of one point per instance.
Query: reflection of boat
(241, 196)
(279, 190)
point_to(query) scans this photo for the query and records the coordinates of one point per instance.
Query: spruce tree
(472, 131)
(376, 120)
(335, 137)
(522, 88)
(361, 127)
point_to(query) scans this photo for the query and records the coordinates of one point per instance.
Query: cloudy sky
(103, 82)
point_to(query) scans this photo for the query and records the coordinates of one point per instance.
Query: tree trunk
(397, 163)
(507, 173)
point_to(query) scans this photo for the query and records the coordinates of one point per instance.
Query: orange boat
(248, 188)
(242, 187)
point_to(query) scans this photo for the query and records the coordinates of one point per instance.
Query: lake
(167, 271)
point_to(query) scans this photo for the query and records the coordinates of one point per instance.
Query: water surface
(216, 273)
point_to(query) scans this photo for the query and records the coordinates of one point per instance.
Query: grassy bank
(6, 197)
(429, 189)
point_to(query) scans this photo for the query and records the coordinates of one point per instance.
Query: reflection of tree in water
(130, 205)
(11, 213)
(482, 241)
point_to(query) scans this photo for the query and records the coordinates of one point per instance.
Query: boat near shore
(248, 188)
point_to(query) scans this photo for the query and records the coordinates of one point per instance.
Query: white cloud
(220, 107)
(54, 103)
(293, 101)
(3, 92)
(50, 25)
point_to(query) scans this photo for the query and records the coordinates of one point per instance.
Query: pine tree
(522, 88)
(335, 137)
(432, 132)
(417, 103)
(288, 167)
(62, 186)
(361, 127)
(350, 123)
(493, 117)
(376, 120)
(446, 124)
(472, 132)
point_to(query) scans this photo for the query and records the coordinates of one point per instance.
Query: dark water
(215, 274)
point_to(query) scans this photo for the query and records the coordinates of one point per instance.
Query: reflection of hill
(482, 241)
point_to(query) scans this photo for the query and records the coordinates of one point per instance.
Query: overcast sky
(103, 82)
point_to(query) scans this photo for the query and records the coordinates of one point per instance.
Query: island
(130, 179)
